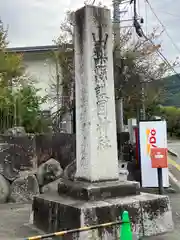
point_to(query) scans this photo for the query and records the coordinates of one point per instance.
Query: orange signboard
(159, 157)
(153, 152)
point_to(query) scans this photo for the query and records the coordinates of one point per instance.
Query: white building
(40, 63)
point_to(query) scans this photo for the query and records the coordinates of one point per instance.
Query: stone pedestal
(97, 196)
(80, 204)
(150, 215)
(98, 191)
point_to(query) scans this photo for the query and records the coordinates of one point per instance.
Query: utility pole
(116, 30)
(137, 25)
(143, 108)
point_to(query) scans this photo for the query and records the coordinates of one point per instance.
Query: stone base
(98, 191)
(150, 215)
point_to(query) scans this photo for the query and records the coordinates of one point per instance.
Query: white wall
(41, 67)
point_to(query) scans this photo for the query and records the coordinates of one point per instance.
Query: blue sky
(36, 22)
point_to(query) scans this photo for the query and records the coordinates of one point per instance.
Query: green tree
(10, 64)
(140, 66)
(20, 102)
(28, 109)
(172, 116)
(138, 63)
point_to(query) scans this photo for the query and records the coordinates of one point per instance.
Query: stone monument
(97, 195)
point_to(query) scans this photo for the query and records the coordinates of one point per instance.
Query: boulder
(4, 189)
(48, 172)
(51, 187)
(70, 170)
(16, 131)
(8, 166)
(15, 158)
(24, 188)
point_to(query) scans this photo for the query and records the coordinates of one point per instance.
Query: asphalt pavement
(174, 145)
(14, 219)
(174, 160)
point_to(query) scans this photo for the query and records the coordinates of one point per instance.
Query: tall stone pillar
(96, 141)
(97, 195)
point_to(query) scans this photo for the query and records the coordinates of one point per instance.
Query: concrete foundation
(150, 215)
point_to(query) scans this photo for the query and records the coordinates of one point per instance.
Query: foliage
(137, 63)
(19, 100)
(28, 109)
(22, 107)
(10, 64)
(172, 116)
(172, 87)
(62, 86)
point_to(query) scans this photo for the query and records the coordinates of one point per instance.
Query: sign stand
(159, 161)
(153, 154)
(160, 181)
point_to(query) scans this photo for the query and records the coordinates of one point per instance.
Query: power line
(141, 33)
(162, 56)
(167, 33)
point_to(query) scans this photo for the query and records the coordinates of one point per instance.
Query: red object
(137, 144)
(159, 158)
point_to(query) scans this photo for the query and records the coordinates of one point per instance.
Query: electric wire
(162, 56)
(153, 44)
(163, 26)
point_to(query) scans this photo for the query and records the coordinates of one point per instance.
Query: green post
(125, 230)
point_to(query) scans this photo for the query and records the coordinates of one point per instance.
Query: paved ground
(175, 146)
(174, 162)
(13, 217)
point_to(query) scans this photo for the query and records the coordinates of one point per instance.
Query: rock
(16, 131)
(50, 187)
(13, 159)
(70, 171)
(4, 189)
(8, 167)
(24, 188)
(24, 174)
(48, 172)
